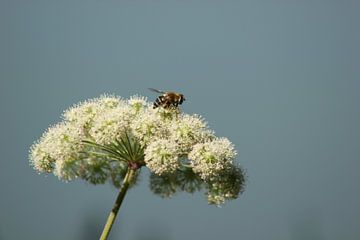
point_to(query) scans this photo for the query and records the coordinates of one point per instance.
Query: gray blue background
(280, 78)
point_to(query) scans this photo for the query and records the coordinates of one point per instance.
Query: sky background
(280, 78)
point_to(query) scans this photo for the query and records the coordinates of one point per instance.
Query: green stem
(109, 222)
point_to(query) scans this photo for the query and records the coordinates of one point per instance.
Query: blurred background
(280, 78)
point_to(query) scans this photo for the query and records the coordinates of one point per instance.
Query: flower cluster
(98, 139)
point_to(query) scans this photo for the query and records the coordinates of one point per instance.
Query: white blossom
(161, 157)
(187, 130)
(99, 139)
(210, 158)
(82, 114)
(59, 143)
(148, 126)
(111, 124)
(138, 102)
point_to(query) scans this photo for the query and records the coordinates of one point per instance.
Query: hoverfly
(168, 99)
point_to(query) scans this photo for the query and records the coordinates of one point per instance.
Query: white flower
(100, 139)
(168, 114)
(82, 114)
(149, 126)
(110, 124)
(109, 101)
(188, 130)
(161, 157)
(40, 159)
(58, 145)
(210, 158)
(138, 102)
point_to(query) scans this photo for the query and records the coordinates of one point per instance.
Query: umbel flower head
(99, 139)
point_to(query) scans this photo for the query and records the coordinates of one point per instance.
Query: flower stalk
(111, 218)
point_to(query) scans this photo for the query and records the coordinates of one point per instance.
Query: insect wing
(155, 90)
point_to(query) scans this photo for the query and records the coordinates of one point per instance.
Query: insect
(168, 99)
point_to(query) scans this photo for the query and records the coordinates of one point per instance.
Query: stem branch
(111, 218)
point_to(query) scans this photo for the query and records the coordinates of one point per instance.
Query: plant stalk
(111, 218)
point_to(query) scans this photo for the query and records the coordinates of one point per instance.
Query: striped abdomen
(169, 99)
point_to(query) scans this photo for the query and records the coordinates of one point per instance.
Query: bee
(168, 99)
